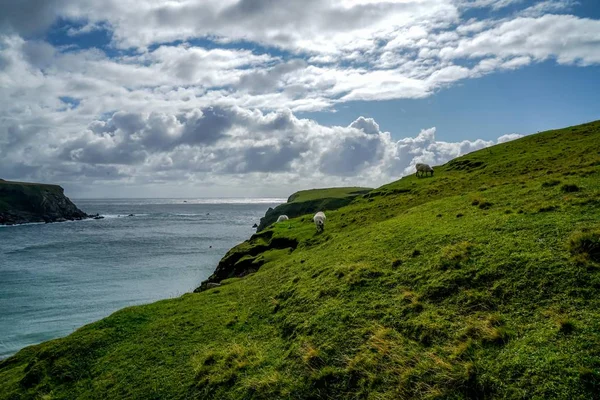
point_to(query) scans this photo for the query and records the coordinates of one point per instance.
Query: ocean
(55, 278)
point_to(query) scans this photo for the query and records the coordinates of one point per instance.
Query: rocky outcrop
(246, 258)
(22, 203)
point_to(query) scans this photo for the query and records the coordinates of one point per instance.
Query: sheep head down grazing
(282, 218)
(423, 169)
(319, 219)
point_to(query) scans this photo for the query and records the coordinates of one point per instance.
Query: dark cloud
(5, 61)
(173, 14)
(129, 123)
(104, 152)
(19, 170)
(161, 132)
(79, 171)
(283, 120)
(27, 17)
(207, 126)
(15, 136)
(244, 8)
(271, 13)
(38, 54)
(100, 127)
(351, 155)
(130, 138)
(268, 158)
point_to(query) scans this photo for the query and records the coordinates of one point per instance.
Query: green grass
(312, 201)
(397, 298)
(43, 185)
(331, 193)
(16, 195)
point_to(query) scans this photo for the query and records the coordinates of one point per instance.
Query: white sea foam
(15, 225)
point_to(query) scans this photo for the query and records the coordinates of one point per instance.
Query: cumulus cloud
(208, 91)
(568, 39)
(549, 6)
(234, 144)
(364, 58)
(493, 4)
(29, 16)
(509, 137)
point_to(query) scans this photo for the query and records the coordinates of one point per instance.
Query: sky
(259, 98)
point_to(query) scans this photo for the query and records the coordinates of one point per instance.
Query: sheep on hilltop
(423, 169)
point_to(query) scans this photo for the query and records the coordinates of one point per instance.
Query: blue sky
(528, 100)
(239, 97)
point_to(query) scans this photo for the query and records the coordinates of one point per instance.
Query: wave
(44, 223)
(112, 216)
(29, 223)
(203, 214)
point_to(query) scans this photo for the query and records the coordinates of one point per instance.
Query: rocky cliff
(22, 203)
(247, 257)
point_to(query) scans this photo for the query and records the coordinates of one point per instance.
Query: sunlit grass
(415, 290)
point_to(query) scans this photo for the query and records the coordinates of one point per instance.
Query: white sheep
(282, 218)
(423, 169)
(319, 219)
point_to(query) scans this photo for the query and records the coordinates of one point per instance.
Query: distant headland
(22, 202)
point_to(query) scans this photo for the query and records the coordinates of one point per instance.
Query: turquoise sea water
(54, 278)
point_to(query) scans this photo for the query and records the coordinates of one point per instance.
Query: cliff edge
(22, 202)
(247, 257)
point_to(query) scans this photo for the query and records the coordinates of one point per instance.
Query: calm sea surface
(54, 278)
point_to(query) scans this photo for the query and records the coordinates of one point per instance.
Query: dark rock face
(22, 203)
(246, 258)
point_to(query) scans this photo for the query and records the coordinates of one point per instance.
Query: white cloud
(190, 102)
(508, 137)
(493, 4)
(549, 6)
(566, 38)
(216, 144)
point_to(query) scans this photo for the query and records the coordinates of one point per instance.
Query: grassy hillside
(480, 282)
(12, 193)
(311, 201)
(327, 193)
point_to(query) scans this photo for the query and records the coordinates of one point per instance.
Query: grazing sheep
(282, 218)
(319, 219)
(423, 169)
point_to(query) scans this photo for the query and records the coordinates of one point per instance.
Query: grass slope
(311, 201)
(327, 193)
(481, 282)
